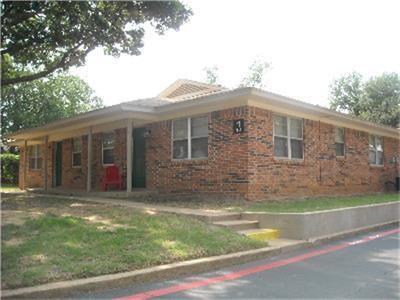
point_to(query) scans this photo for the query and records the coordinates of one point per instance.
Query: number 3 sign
(238, 126)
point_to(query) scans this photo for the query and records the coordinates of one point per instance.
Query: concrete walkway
(206, 215)
(230, 220)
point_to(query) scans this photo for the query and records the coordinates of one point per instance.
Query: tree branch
(20, 17)
(30, 77)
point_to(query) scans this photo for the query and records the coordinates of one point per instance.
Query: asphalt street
(363, 266)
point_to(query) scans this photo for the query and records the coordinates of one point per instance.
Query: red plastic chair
(112, 177)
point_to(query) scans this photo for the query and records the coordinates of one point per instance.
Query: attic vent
(185, 89)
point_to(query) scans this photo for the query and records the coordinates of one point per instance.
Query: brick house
(204, 140)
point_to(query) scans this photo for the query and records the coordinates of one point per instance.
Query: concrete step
(261, 234)
(283, 242)
(238, 224)
(224, 217)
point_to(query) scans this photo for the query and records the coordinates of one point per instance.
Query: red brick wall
(240, 165)
(119, 156)
(22, 152)
(223, 173)
(243, 165)
(73, 177)
(76, 177)
(321, 172)
(35, 177)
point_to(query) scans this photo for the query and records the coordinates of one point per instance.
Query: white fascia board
(275, 103)
(204, 104)
(95, 117)
(64, 123)
(280, 103)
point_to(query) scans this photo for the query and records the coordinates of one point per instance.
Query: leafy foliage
(9, 167)
(381, 101)
(35, 103)
(255, 76)
(40, 37)
(211, 75)
(346, 93)
(376, 100)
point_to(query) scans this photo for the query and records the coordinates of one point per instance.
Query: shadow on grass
(52, 248)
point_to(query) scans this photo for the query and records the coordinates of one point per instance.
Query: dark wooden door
(58, 164)
(139, 164)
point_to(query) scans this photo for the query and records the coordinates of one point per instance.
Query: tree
(255, 76)
(9, 167)
(211, 75)
(381, 99)
(35, 103)
(40, 37)
(376, 100)
(346, 93)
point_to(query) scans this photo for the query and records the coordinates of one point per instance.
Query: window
(77, 152)
(375, 150)
(108, 148)
(339, 141)
(190, 138)
(288, 137)
(35, 161)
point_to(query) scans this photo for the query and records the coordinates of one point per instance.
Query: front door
(57, 163)
(139, 165)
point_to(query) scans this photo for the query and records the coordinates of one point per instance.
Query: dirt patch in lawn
(107, 224)
(18, 209)
(17, 217)
(48, 239)
(14, 242)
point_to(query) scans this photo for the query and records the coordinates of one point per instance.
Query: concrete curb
(169, 271)
(350, 233)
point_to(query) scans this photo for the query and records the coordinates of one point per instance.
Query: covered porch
(49, 159)
(136, 194)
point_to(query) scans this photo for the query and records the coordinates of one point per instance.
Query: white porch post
(25, 163)
(89, 161)
(46, 150)
(129, 156)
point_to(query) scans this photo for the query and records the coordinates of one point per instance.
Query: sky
(308, 44)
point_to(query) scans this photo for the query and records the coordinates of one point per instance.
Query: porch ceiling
(81, 127)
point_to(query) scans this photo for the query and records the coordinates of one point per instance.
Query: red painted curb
(245, 272)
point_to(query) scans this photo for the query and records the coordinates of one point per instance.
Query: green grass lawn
(318, 204)
(5, 187)
(282, 205)
(45, 240)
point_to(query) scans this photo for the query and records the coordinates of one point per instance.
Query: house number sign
(238, 126)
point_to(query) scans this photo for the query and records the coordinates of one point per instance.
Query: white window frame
(189, 138)
(338, 142)
(107, 148)
(74, 152)
(288, 138)
(376, 150)
(36, 156)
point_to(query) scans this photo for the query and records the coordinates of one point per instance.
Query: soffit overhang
(218, 101)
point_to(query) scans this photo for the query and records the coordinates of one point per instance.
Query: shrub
(9, 167)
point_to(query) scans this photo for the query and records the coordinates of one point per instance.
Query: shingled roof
(180, 90)
(189, 97)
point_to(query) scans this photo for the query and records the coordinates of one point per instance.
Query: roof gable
(185, 89)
